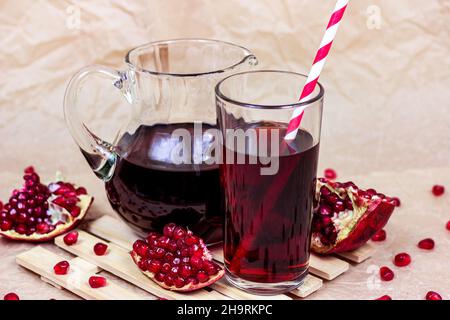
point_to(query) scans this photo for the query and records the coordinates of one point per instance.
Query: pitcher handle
(99, 154)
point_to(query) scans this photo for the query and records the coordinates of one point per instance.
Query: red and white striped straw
(316, 69)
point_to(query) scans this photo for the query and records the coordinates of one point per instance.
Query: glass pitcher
(170, 85)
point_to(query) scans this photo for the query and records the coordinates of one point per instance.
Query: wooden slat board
(117, 232)
(117, 261)
(42, 261)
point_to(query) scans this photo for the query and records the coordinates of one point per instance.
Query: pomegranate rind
(187, 288)
(367, 219)
(84, 203)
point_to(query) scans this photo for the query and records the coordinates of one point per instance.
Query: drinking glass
(267, 183)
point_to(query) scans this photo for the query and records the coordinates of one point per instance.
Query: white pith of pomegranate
(38, 213)
(176, 260)
(345, 216)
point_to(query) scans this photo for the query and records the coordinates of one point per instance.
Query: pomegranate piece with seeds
(100, 249)
(345, 216)
(330, 174)
(176, 260)
(379, 236)
(402, 259)
(11, 296)
(97, 282)
(385, 297)
(438, 190)
(431, 295)
(386, 274)
(426, 244)
(38, 213)
(61, 267)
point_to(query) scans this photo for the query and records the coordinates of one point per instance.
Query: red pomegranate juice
(148, 190)
(268, 217)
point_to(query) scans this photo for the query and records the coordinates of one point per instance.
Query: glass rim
(247, 54)
(310, 101)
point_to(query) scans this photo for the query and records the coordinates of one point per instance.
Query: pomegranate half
(176, 260)
(345, 216)
(38, 213)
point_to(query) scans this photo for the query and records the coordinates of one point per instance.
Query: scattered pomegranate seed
(448, 225)
(396, 201)
(438, 190)
(71, 238)
(97, 282)
(402, 259)
(386, 274)
(61, 267)
(11, 296)
(426, 244)
(29, 170)
(431, 295)
(379, 236)
(385, 297)
(100, 249)
(330, 174)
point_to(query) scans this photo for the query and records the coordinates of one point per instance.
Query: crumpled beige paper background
(386, 117)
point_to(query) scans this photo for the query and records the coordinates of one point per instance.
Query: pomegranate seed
(185, 271)
(75, 212)
(396, 201)
(196, 262)
(97, 282)
(190, 240)
(379, 236)
(160, 277)
(11, 296)
(202, 276)
(61, 268)
(21, 229)
(100, 249)
(179, 282)
(141, 248)
(447, 226)
(330, 174)
(29, 170)
(426, 244)
(6, 225)
(81, 191)
(179, 233)
(386, 274)
(71, 238)
(438, 190)
(142, 264)
(431, 295)
(154, 266)
(168, 280)
(192, 280)
(385, 297)
(43, 228)
(168, 229)
(402, 259)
